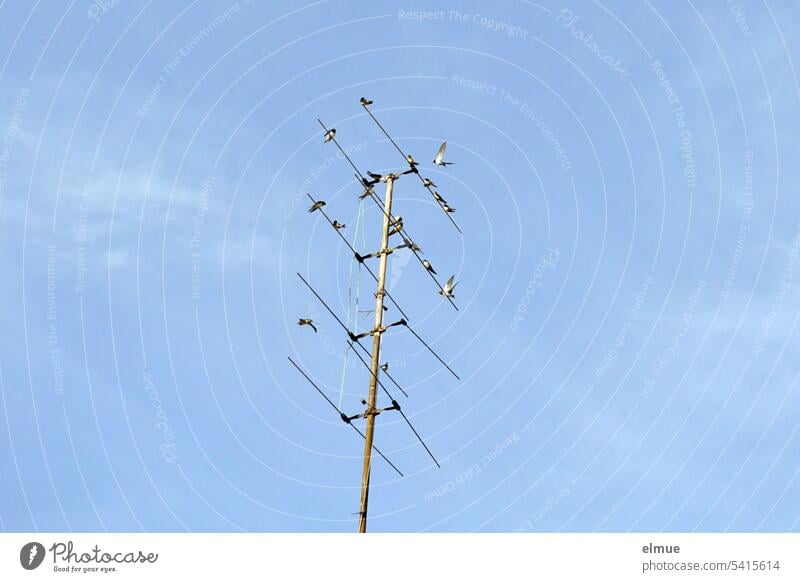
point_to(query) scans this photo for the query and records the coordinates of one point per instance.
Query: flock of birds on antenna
(399, 230)
(447, 289)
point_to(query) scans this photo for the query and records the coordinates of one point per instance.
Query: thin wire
(405, 158)
(341, 414)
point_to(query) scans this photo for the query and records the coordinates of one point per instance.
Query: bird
(411, 161)
(374, 176)
(439, 197)
(330, 135)
(308, 322)
(439, 160)
(449, 286)
(385, 367)
(397, 225)
(448, 208)
(364, 101)
(317, 205)
(428, 183)
(338, 225)
(427, 264)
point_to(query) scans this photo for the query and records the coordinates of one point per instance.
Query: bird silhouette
(308, 322)
(449, 286)
(364, 101)
(439, 159)
(427, 264)
(317, 205)
(330, 135)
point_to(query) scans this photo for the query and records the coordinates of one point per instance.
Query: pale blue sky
(625, 179)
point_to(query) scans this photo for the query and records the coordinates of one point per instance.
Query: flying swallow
(308, 322)
(449, 286)
(439, 160)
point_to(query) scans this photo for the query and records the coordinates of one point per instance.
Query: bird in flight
(308, 322)
(427, 264)
(449, 286)
(330, 135)
(317, 205)
(448, 208)
(364, 101)
(428, 183)
(439, 160)
(338, 225)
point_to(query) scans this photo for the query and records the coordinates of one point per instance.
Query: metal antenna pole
(372, 411)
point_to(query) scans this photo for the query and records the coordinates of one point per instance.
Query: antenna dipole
(375, 365)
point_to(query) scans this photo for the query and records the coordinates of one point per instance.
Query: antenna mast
(371, 411)
(391, 225)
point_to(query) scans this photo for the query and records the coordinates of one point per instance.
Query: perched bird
(439, 160)
(397, 225)
(414, 247)
(427, 264)
(364, 101)
(428, 183)
(385, 367)
(449, 286)
(330, 135)
(439, 197)
(338, 225)
(317, 205)
(411, 161)
(308, 322)
(448, 208)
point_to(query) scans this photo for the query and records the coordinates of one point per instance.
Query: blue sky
(626, 333)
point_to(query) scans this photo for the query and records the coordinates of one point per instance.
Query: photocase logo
(31, 555)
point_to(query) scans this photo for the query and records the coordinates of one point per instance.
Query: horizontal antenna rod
(343, 415)
(430, 349)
